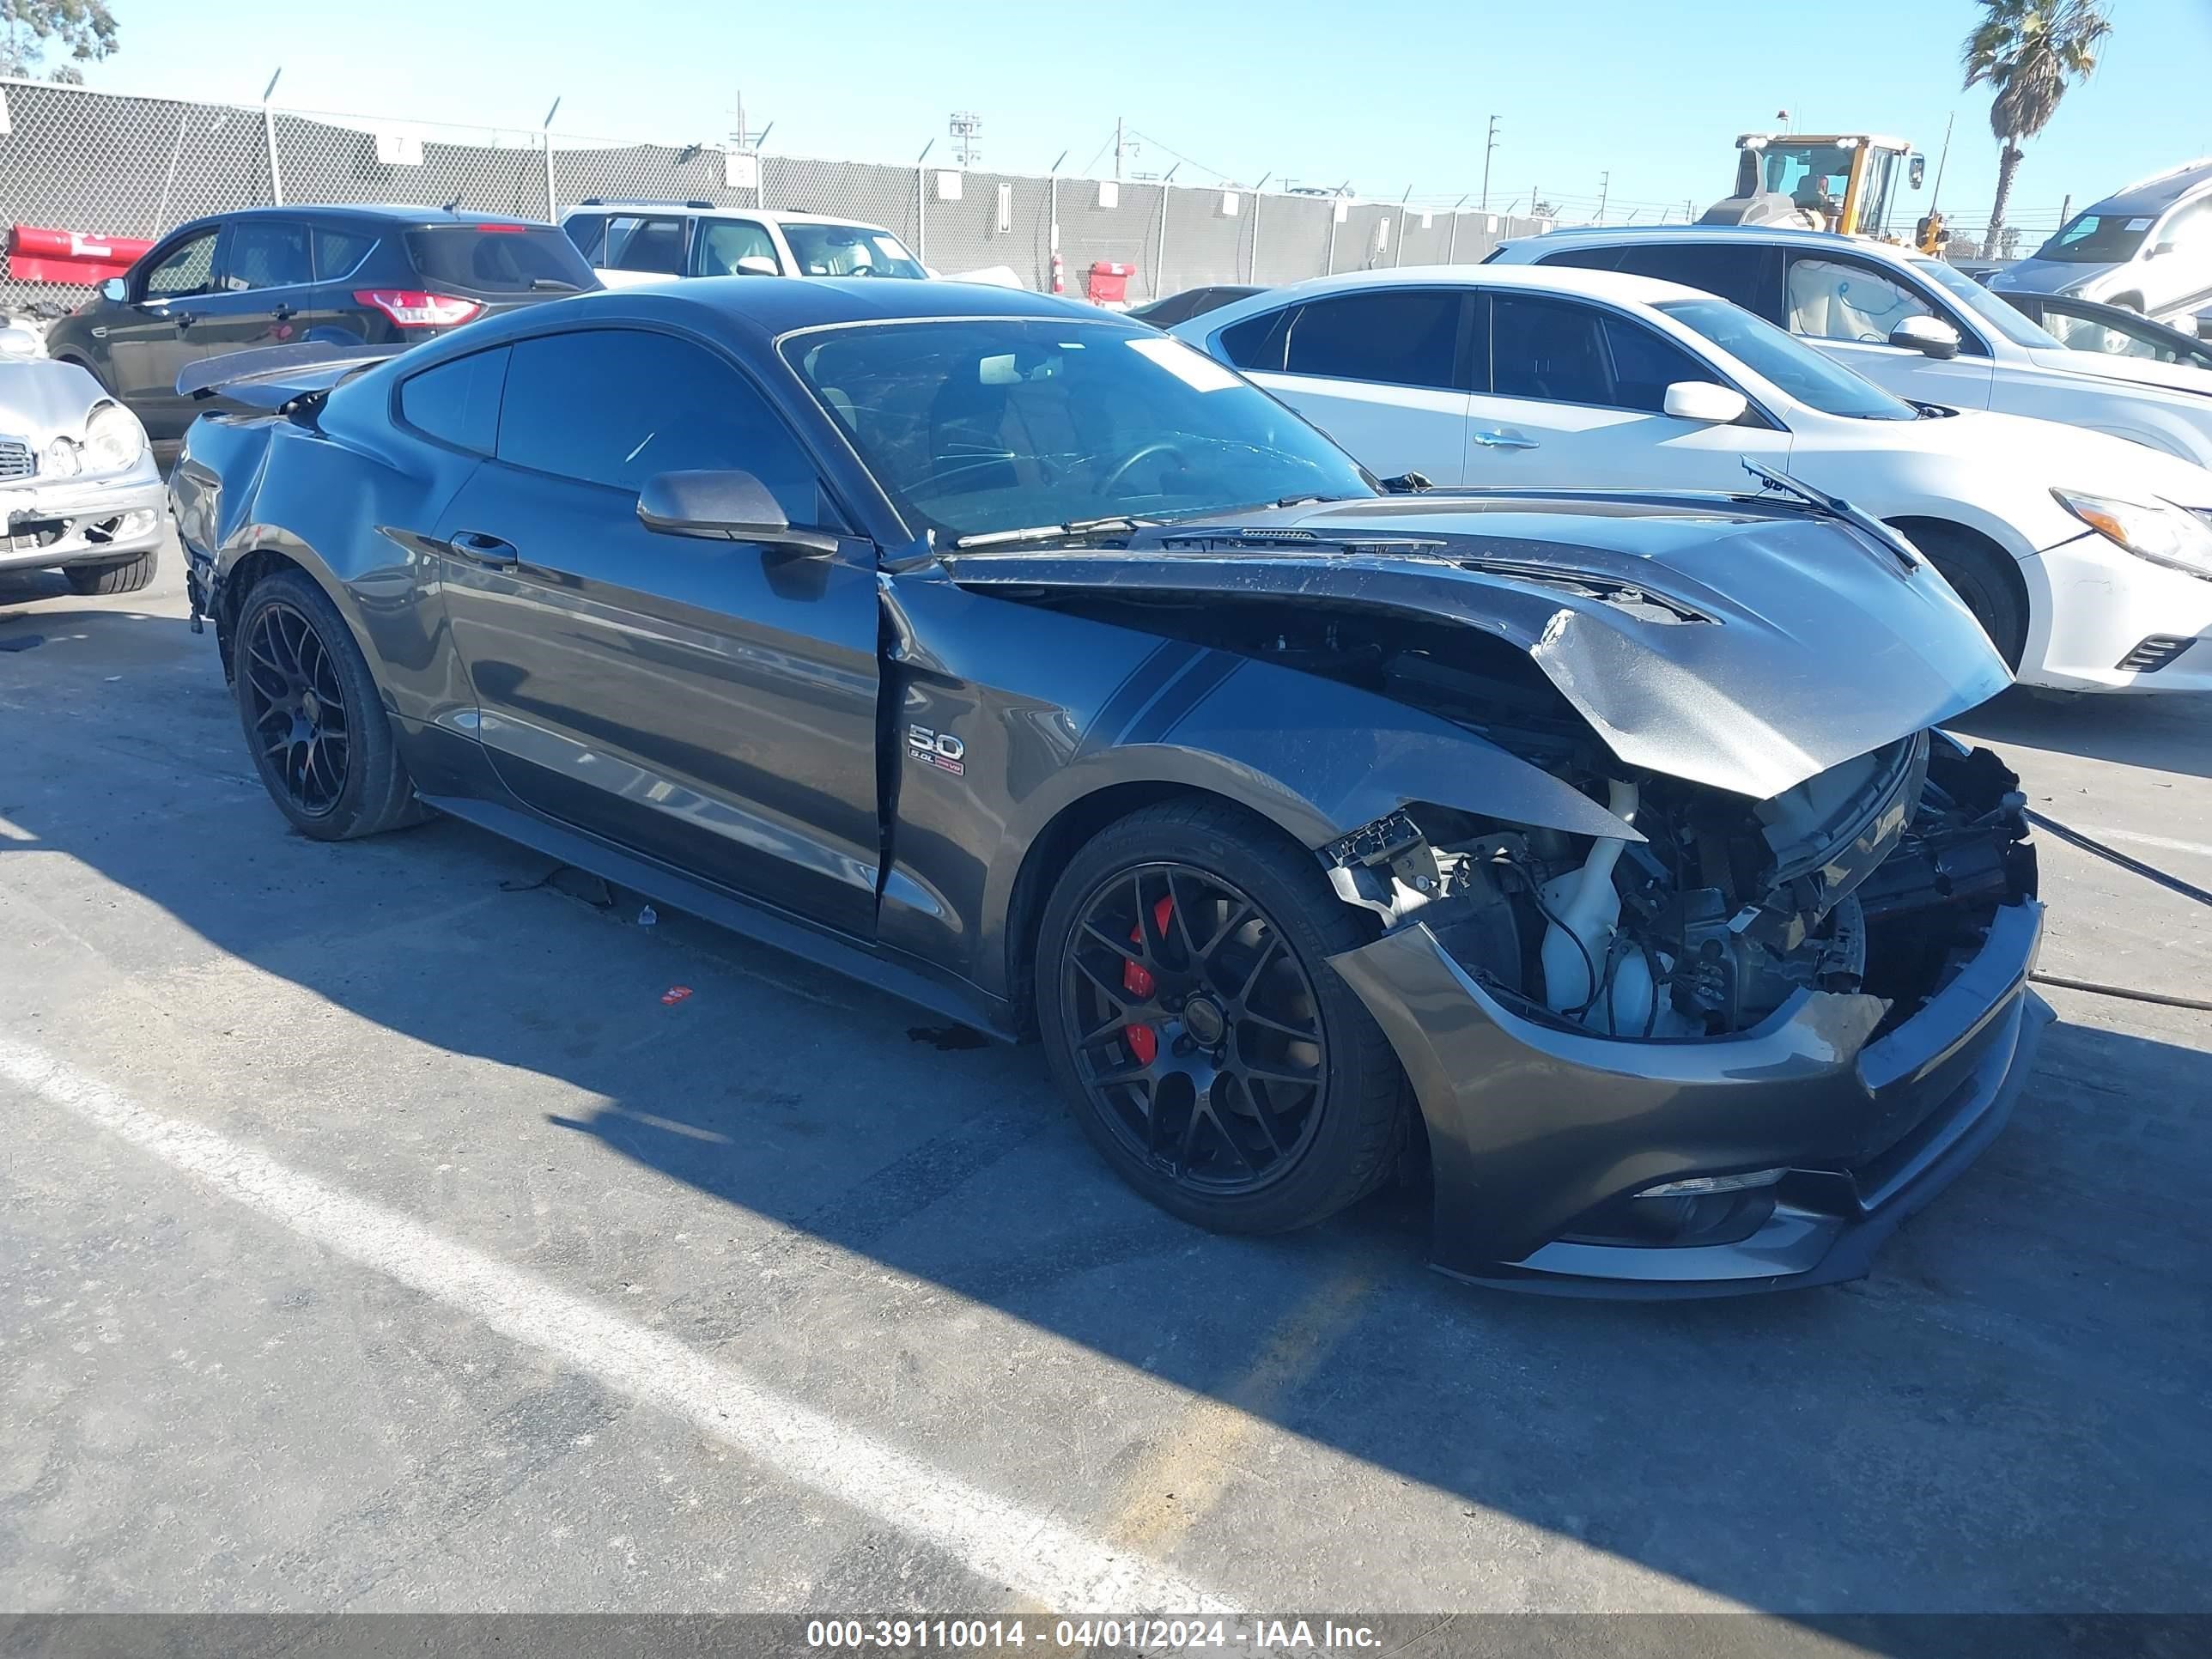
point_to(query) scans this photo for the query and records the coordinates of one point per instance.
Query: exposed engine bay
(1870, 877)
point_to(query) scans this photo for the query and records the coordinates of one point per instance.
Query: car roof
(1780, 235)
(1621, 286)
(763, 308)
(689, 210)
(2155, 195)
(411, 214)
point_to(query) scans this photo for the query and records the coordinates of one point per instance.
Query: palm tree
(2029, 51)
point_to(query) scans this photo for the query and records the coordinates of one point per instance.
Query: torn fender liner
(1729, 646)
(1531, 1128)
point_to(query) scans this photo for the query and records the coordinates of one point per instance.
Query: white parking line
(1004, 1542)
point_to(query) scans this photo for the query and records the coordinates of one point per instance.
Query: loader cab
(1845, 182)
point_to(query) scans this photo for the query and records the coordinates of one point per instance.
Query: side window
(1644, 364)
(267, 253)
(1842, 300)
(1257, 342)
(187, 267)
(588, 231)
(338, 251)
(1748, 274)
(2188, 227)
(637, 244)
(1549, 349)
(1400, 338)
(458, 401)
(723, 242)
(614, 406)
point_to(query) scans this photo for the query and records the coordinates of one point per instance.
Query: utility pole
(1117, 147)
(1604, 185)
(1487, 150)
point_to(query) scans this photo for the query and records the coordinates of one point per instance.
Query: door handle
(475, 545)
(183, 319)
(282, 313)
(1494, 439)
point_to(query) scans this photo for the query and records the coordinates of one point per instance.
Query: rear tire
(1253, 1151)
(121, 576)
(1972, 570)
(314, 720)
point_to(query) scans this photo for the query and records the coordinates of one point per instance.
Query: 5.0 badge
(939, 749)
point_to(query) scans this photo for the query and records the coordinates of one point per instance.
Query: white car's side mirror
(16, 342)
(1702, 400)
(756, 264)
(1931, 335)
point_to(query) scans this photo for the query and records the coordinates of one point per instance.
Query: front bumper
(1532, 1130)
(73, 521)
(2094, 605)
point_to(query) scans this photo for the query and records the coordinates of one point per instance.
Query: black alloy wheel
(296, 707)
(1210, 1052)
(312, 715)
(1195, 1030)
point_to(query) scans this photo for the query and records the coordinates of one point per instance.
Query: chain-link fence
(102, 164)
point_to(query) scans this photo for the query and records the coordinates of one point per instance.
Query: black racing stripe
(1146, 681)
(1197, 683)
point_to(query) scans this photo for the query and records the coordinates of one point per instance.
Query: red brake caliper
(1143, 1041)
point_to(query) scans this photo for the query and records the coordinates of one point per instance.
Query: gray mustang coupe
(1591, 858)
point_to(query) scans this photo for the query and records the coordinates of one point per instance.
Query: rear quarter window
(456, 402)
(1257, 342)
(497, 257)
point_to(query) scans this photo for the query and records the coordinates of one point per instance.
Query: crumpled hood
(1745, 649)
(41, 399)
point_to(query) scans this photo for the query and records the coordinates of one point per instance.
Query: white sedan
(1918, 326)
(2088, 559)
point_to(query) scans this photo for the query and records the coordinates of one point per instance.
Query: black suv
(276, 275)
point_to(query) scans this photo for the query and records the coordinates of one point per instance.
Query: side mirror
(1931, 335)
(1916, 170)
(1702, 400)
(2158, 250)
(18, 342)
(115, 290)
(723, 506)
(756, 264)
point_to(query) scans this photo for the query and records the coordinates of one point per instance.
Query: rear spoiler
(276, 377)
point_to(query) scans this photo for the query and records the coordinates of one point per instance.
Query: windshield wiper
(1045, 532)
(552, 285)
(1834, 507)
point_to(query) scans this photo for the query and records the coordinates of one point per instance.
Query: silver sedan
(79, 491)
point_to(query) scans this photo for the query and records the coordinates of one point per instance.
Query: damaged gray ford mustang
(1593, 857)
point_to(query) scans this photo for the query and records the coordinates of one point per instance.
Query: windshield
(2098, 238)
(973, 425)
(2020, 330)
(1793, 368)
(1811, 175)
(848, 250)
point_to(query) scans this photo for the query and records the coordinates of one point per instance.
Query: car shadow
(2170, 732)
(2006, 1416)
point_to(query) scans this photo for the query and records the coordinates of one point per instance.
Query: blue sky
(1390, 93)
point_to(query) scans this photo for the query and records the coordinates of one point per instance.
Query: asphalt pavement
(381, 1230)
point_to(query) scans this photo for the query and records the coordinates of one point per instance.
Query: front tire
(1972, 572)
(1188, 1010)
(119, 576)
(313, 716)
